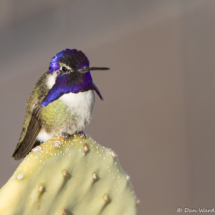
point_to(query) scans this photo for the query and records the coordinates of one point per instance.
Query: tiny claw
(65, 135)
(82, 135)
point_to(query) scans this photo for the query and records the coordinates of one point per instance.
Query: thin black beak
(98, 68)
(86, 69)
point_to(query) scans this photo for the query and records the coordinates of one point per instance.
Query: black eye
(64, 68)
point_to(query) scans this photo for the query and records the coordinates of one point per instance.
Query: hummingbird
(61, 102)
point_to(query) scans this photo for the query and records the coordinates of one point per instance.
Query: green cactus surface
(74, 177)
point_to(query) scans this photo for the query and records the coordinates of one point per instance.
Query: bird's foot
(81, 134)
(65, 135)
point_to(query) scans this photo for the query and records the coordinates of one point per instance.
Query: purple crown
(71, 57)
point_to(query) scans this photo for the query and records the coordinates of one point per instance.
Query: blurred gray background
(158, 112)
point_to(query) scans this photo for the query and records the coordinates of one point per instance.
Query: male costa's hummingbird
(61, 102)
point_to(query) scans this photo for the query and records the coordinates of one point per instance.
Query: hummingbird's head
(73, 64)
(69, 71)
(67, 61)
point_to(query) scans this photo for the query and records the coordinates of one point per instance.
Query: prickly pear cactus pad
(74, 177)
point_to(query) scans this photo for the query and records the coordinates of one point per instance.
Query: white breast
(79, 102)
(81, 105)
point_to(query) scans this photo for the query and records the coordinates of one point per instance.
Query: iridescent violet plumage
(73, 82)
(72, 57)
